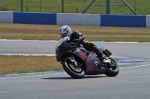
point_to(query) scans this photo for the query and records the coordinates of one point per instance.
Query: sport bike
(78, 62)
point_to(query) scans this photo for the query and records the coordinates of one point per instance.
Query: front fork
(71, 59)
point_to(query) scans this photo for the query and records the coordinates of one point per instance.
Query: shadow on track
(64, 78)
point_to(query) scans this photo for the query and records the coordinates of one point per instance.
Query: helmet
(65, 31)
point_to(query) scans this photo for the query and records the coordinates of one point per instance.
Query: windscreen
(61, 41)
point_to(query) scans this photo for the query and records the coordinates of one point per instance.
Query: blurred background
(141, 7)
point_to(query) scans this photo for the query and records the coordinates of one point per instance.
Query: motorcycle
(78, 62)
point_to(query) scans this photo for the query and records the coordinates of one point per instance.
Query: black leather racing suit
(78, 37)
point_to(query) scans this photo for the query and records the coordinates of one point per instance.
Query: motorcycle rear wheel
(76, 73)
(112, 69)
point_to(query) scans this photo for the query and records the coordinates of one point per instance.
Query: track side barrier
(123, 20)
(75, 19)
(6, 17)
(34, 18)
(78, 19)
(148, 21)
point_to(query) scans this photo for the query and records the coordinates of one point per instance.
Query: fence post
(40, 6)
(107, 6)
(135, 5)
(129, 7)
(88, 6)
(62, 6)
(21, 5)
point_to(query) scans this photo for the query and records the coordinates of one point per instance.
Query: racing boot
(101, 56)
(103, 59)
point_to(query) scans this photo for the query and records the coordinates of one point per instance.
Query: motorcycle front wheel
(112, 69)
(76, 72)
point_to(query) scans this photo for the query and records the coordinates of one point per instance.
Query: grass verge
(27, 64)
(92, 33)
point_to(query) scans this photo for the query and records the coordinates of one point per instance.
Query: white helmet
(65, 31)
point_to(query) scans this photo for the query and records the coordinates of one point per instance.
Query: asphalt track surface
(131, 83)
(36, 47)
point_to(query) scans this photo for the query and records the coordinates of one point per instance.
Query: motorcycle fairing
(91, 61)
(62, 50)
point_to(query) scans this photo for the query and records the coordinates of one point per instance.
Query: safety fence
(142, 7)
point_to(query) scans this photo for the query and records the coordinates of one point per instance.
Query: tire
(113, 69)
(67, 67)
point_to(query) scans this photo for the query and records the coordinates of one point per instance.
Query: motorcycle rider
(77, 37)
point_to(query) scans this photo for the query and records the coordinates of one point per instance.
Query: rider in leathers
(78, 37)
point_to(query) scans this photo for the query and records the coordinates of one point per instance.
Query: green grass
(74, 6)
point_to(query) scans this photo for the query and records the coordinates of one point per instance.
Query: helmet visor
(63, 35)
